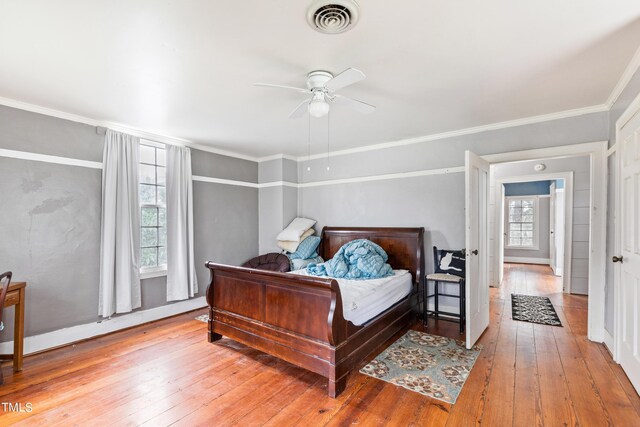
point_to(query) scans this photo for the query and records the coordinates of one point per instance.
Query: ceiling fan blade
(345, 78)
(300, 110)
(360, 106)
(297, 89)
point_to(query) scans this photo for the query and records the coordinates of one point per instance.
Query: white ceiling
(186, 68)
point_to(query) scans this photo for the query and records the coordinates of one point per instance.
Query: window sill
(153, 272)
(523, 248)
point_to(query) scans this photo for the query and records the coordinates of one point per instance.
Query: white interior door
(477, 247)
(559, 230)
(629, 259)
(552, 227)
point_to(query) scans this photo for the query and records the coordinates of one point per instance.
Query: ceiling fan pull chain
(328, 137)
(309, 143)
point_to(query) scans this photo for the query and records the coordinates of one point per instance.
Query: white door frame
(611, 338)
(629, 113)
(553, 232)
(597, 152)
(568, 220)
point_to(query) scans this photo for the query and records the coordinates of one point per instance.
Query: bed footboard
(296, 318)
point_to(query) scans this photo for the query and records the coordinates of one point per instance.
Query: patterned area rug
(203, 318)
(529, 308)
(428, 364)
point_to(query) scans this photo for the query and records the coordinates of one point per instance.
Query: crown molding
(277, 157)
(397, 143)
(628, 73)
(141, 133)
(468, 131)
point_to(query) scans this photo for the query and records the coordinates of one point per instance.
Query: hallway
(546, 375)
(533, 279)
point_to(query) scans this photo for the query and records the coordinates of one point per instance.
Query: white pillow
(296, 229)
(292, 246)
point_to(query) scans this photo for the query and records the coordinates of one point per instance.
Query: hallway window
(522, 227)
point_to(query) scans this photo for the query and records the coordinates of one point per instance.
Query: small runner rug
(203, 318)
(428, 364)
(534, 309)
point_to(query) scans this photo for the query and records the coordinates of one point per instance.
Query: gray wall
(225, 216)
(50, 220)
(580, 166)
(542, 252)
(278, 205)
(435, 202)
(630, 92)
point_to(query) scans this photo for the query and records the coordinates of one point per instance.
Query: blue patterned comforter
(359, 259)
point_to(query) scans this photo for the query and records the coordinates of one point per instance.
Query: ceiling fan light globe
(318, 108)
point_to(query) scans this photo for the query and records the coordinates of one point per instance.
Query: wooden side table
(16, 296)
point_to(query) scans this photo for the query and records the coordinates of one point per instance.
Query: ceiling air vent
(332, 16)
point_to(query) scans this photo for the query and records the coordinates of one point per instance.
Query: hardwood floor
(165, 373)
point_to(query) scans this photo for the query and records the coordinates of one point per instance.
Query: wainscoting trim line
(384, 177)
(36, 157)
(25, 155)
(225, 181)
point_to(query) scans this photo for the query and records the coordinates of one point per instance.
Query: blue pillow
(307, 248)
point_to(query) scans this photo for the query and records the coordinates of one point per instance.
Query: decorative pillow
(299, 264)
(292, 246)
(296, 229)
(307, 248)
(451, 262)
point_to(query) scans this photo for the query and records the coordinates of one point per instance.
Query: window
(521, 227)
(153, 210)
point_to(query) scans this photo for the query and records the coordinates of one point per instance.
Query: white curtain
(120, 242)
(181, 271)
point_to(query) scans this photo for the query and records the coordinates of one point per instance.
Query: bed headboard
(405, 246)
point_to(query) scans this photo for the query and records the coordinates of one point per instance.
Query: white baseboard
(608, 341)
(525, 260)
(73, 334)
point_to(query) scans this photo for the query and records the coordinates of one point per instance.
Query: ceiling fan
(321, 86)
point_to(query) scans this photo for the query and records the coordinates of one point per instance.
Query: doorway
(533, 222)
(587, 273)
(587, 267)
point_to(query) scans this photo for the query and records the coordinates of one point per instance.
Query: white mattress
(363, 300)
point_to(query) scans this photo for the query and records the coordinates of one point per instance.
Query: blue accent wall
(534, 188)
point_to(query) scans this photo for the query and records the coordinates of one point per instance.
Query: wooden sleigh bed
(299, 318)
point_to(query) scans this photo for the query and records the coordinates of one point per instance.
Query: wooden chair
(449, 268)
(5, 280)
